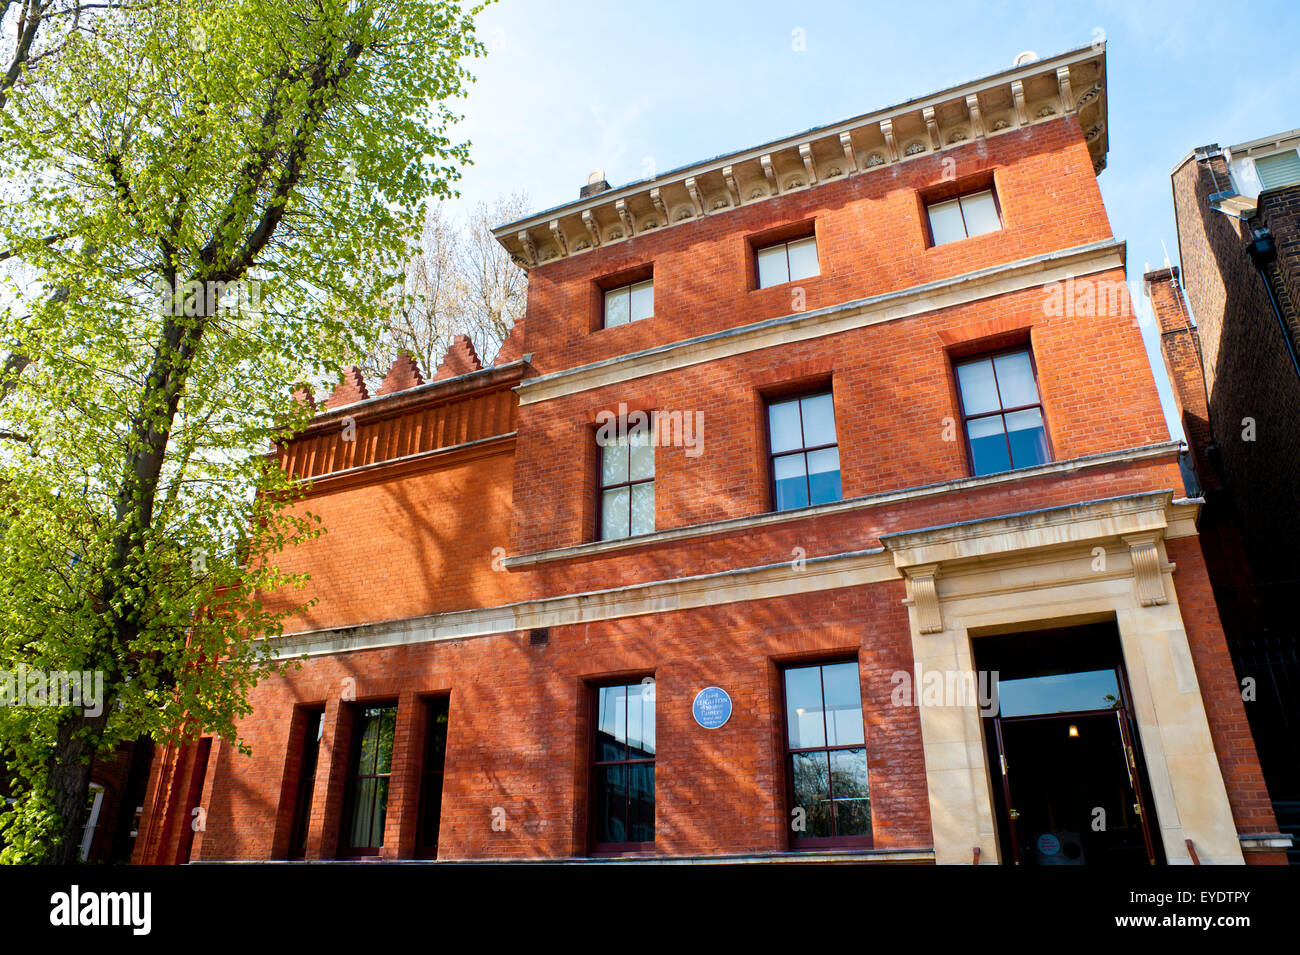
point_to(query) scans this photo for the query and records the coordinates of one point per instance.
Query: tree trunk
(69, 780)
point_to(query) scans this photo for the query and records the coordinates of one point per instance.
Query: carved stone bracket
(769, 171)
(697, 197)
(923, 596)
(530, 247)
(976, 118)
(851, 161)
(805, 153)
(1148, 570)
(733, 189)
(626, 216)
(660, 207)
(887, 131)
(1063, 84)
(558, 234)
(1022, 110)
(593, 228)
(932, 125)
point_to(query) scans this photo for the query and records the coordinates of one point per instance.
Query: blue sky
(634, 88)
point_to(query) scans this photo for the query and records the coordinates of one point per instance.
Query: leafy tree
(213, 197)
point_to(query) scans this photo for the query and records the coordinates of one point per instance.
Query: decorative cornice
(1039, 91)
(1001, 279)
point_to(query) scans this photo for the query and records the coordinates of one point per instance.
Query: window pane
(435, 742)
(988, 445)
(772, 266)
(803, 705)
(811, 782)
(361, 834)
(642, 455)
(614, 514)
(1058, 693)
(803, 259)
(641, 802)
(611, 723)
(783, 422)
(979, 392)
(435, 752)
(387, 732)
(843, 704)
(643, 300)
(643, 508)
(368, 727)
(378, 813)
(818, 420)
(791, 482)
(609, 803)
(640, 721)
(823, 476)
(981, 213)
(1028, 438)
(945, 222)
(852, 798)
(613, 463)
(1016, 380)
(616, 307)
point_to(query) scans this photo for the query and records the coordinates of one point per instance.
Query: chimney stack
(595, 184)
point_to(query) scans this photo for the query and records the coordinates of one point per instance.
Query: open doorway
(1069, 781)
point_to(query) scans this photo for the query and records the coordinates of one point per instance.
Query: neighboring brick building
(904, 435)
(1236, 377)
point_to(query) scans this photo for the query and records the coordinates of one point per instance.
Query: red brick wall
(518, 731)
(1180, 346)
(894, 394)
(871, 238)
(403, 543)
(1224, 709)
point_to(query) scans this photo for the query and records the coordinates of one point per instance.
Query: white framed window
(629, 303)
(1279, 169)
(963, 216)
(627, 483)
(94, 800)
(787, 261)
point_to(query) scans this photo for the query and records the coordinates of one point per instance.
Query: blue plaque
(712, 707)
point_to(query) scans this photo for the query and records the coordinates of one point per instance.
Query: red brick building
(797, 454)
(1230, 346)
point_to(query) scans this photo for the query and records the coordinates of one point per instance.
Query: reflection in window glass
(627, 491)
(805, 457)
(964, 216)
(431, 774)
(629, 303)
(373, 729)
(945, 222)
(826, 757)
(623, 777)
(1002, 412)
(1058, 693)
(787, 262)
